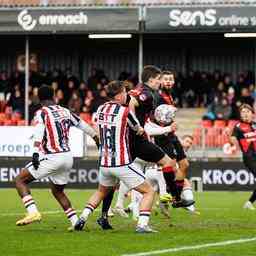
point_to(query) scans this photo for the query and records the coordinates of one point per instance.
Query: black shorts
(250, 163)
(145, 150)
(171, 146)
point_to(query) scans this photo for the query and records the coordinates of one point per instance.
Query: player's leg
(152, 153)
(106, 204)
(91, 205)
(181, 173)
(63, 200)
(136, 198)
(183, 163)
(119, 207)
(106, 183)
(21, 183)
(187, 194)
(250, 163)
(145, 207)
(135, 179)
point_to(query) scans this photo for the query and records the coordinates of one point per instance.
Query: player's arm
(38, 135)
(232, 137)
(86, 128)
(134, 123)
(133, 104)
(153, 129)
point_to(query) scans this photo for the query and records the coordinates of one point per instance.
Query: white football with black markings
(165, 114)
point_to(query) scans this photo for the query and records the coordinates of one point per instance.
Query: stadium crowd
(217, 91)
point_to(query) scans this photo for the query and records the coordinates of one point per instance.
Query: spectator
(222, 111)
(75, 102)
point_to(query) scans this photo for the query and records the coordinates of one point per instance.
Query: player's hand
(140, 131)
(97, 140)
(35, 160)
(229, 149)
(173, 127)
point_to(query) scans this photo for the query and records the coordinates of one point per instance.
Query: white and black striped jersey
(113, 121)
(52, 125)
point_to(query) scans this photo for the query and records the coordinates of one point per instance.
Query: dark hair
(113, 88)
(45, 92)
(149, 72)
(247, 106)
(167, 72)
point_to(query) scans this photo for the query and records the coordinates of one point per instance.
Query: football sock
(123, 190)
(143, 218)
(107, 203)
(187, 194)
(88, 210)
(252, 199)
(169, 177)
(29, 203)
(180, 185)
(71, 214)
(136, 199)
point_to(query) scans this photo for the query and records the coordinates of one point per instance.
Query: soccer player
(52, 157)
(113, 122)
(245, 133)
(144, 100)
(169, 142)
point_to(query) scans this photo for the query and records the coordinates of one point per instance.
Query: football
(164, 114)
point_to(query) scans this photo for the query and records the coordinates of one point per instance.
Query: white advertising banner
(18, 142)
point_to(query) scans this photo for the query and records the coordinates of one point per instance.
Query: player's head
(187, 142)
(116, 91)
(151, 76)
(167, 79)
(45, 92)
(246, 113)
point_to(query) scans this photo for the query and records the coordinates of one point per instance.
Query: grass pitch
(222, 218)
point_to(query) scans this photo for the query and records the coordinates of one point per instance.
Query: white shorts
(130, 175)
(54, 166)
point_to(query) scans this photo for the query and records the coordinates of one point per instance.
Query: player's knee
(184, 164)
(20, 179)
(167, 161)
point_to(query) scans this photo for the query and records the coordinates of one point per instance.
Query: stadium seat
(21, 123)
(2, 116)
(197, 136)
(16, 116)
(9, 122)
(211, 138)
(220, 123)
(206, 123)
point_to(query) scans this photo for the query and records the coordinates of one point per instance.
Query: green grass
(222, 218)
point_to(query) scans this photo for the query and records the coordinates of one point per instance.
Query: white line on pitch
(195, 247)
(43, 212)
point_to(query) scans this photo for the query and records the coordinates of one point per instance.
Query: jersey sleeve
(132, 121)
(39, 128)
(82, 125)
(236, 131)
(143, 97)
(153, 129)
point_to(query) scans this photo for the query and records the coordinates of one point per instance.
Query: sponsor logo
(228, 177)
(28, 23)
(83, 176)
(188, 18)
